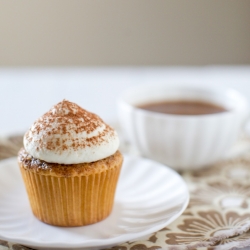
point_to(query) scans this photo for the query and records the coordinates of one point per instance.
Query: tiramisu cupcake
(70, 165)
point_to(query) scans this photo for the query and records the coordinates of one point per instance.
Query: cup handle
(246, 127)
(242, 145)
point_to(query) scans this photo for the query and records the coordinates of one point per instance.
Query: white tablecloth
(27, 93)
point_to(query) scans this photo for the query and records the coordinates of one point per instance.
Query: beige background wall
(124, 32)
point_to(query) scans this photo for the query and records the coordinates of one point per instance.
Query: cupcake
(70, 165)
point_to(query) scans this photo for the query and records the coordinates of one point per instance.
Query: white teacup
(182, 141)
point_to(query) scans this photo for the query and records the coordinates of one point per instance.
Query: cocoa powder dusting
(70, 118)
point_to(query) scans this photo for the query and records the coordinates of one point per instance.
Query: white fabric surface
(27, 93)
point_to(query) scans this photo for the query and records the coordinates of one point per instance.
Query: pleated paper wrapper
(71, 201)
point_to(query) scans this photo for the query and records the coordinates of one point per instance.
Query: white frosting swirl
(68, 134)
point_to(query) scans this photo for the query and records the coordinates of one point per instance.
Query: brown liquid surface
(183, 107)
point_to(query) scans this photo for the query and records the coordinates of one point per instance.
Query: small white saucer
(149, 197)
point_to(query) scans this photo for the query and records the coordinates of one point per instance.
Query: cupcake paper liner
(71, 201)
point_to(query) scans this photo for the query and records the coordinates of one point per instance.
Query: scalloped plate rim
(110, 241)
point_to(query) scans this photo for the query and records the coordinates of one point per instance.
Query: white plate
(149, 197)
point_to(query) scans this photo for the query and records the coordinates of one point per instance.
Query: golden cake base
(72, 201)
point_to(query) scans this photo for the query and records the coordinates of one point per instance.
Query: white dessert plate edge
(166, 198)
